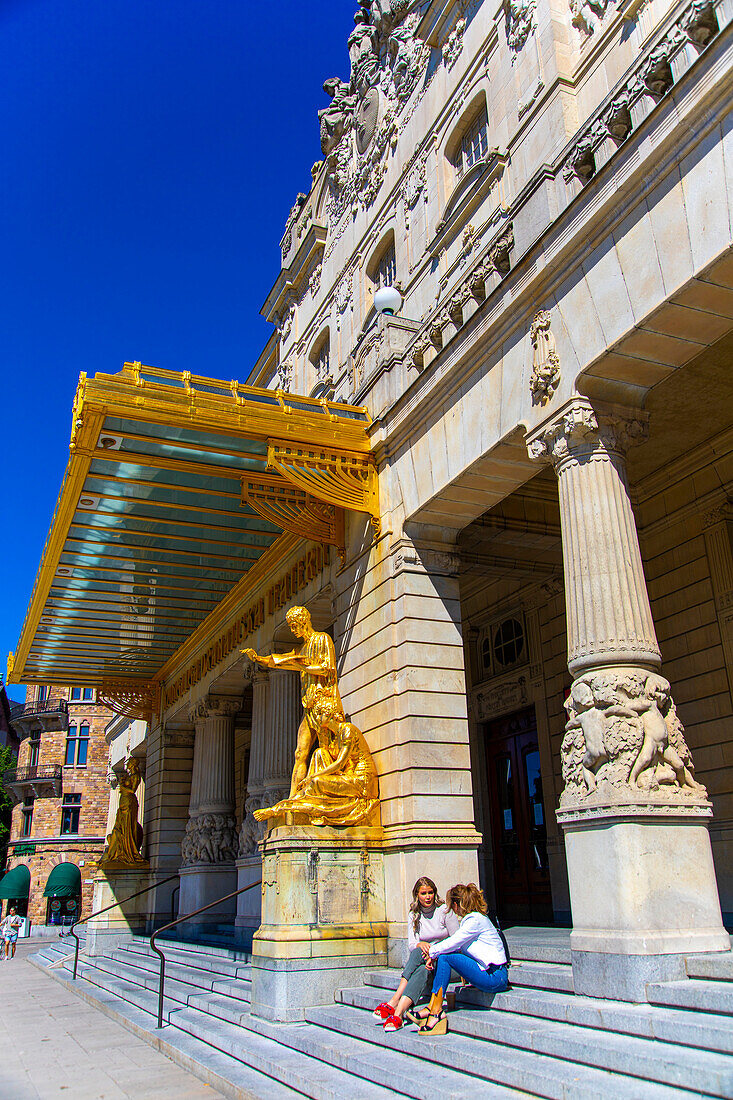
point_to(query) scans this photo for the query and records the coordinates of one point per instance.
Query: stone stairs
(537, 1039)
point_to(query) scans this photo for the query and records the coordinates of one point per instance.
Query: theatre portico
(507, 501)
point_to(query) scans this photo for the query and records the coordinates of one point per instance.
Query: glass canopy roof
(150, 531)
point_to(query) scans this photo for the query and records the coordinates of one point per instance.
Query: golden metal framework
(294, 510)
(341, 478)
(130, 698)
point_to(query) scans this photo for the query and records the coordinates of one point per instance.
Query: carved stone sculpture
(123, 843)
(545, 360)
(362, 44)
(333, 118)
(624, 739)
(702, 23)
(209, 838)
(519, 23)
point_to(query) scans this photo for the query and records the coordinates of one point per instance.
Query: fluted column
(211, 834)
(282, 726)
(640, 869)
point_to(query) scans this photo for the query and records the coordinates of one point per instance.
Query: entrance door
(519, 831)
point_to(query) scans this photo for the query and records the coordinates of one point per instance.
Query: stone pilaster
(718, 530)
(642, 883)
(283, 719)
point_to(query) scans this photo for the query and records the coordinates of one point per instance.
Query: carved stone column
(642, 883)
(284, 716)
(209, 846)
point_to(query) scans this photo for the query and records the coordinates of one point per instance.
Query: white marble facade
(549, 185)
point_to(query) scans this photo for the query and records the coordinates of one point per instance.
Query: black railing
(173, 923)
(38, 706)
(47, 772)
(97, 913)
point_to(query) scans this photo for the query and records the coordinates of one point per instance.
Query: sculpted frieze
(209, 838)
(624, 740)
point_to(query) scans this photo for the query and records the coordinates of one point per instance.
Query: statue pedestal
(109, 929)
(643, 894)
(323, 917)
(202, 883)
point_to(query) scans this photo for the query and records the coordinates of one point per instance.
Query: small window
(75, 695)
(508, 642)
(386, 274)
(321, 359)
(26, 825)
(77, 744)
(42, 694)
(474, 143)
(87, 694)
(70, 811)
(34, 749)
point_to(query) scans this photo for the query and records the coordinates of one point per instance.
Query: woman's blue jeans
(490, 981)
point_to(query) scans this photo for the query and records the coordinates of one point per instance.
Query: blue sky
(151, 152)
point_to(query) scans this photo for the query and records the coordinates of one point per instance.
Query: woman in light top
(428, 922)
(475, 951)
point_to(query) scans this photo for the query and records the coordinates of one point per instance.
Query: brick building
(60, 783)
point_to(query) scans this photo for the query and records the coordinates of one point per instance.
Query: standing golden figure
(124, 842)
(339, 785)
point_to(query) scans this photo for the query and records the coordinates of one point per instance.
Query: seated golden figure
(123, 843)
(341, 786)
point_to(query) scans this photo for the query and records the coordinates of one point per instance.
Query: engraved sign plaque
(339, 894)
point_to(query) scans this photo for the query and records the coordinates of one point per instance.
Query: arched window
(382, 267)
(474, 143)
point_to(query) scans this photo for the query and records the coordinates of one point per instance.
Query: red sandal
(392, 1023)
(383, 1011)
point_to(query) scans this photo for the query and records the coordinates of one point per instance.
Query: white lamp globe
(387, 300)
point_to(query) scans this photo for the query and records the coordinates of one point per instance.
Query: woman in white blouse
(428, 922)
(475, 951)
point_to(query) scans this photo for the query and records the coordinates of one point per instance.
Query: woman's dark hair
(416, 908)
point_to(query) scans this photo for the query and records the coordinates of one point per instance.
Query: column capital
(215, 706)
(721, 513)
(431, 557)
(581, 430)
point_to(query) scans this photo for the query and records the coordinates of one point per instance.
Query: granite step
(549, 945)
(201, 964)
(178, 986)
(390, 1071)
(715, 967)
(693, 993)
(221, 1006)
(486, 1061)
(231, 1076)
(647, 1058)
(290, 1064)
(188, 950)
(533, 975)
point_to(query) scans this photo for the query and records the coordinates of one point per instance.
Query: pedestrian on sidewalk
(9, 930)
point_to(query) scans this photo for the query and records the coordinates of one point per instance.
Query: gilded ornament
(122, 850)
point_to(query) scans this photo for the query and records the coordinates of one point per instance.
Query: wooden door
(518, 823)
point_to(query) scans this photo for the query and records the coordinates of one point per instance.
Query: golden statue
(339, 786)
(316, 663)
(123, 843)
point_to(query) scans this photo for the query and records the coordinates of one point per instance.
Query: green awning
(63, 882)
(16, 884)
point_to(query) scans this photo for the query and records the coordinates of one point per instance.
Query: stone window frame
(75, 741)
(473, 122)
(26, 815)
(320, 356)
(486, 645)
(86, 694)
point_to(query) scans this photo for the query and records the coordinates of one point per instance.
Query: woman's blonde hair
(466, 899)
(416, 908)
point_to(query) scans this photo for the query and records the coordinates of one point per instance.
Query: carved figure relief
(623, 739)
(333, 118)
(545, 359)
(209, 838)
(453, 44)
(587, 15)
(124, 842)
(520, 23)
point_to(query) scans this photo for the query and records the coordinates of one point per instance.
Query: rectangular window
(474, 144)
(26, 825)
(34, 751)
(75, 695)
(87, 694)
(387, 269)
(77, 745)
(42, 694)
(81, 753)
(70, 810)
(71, 740)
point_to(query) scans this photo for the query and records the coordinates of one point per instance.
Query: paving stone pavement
(54, 1046)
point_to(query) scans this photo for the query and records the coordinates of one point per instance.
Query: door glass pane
(509, 836)
(538, 828)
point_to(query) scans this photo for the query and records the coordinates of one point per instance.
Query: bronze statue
(339, 785)
(123, 843)
(316, 663)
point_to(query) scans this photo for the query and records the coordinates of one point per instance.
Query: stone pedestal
(642, 886)
(323, 917)
(202, 883)
(249, 905)
(109, 929)
(643, 895)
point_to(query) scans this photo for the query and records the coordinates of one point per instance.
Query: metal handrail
(38, 706)
(180, 920)
(82, 920)
(33, 771)
(174, 907)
